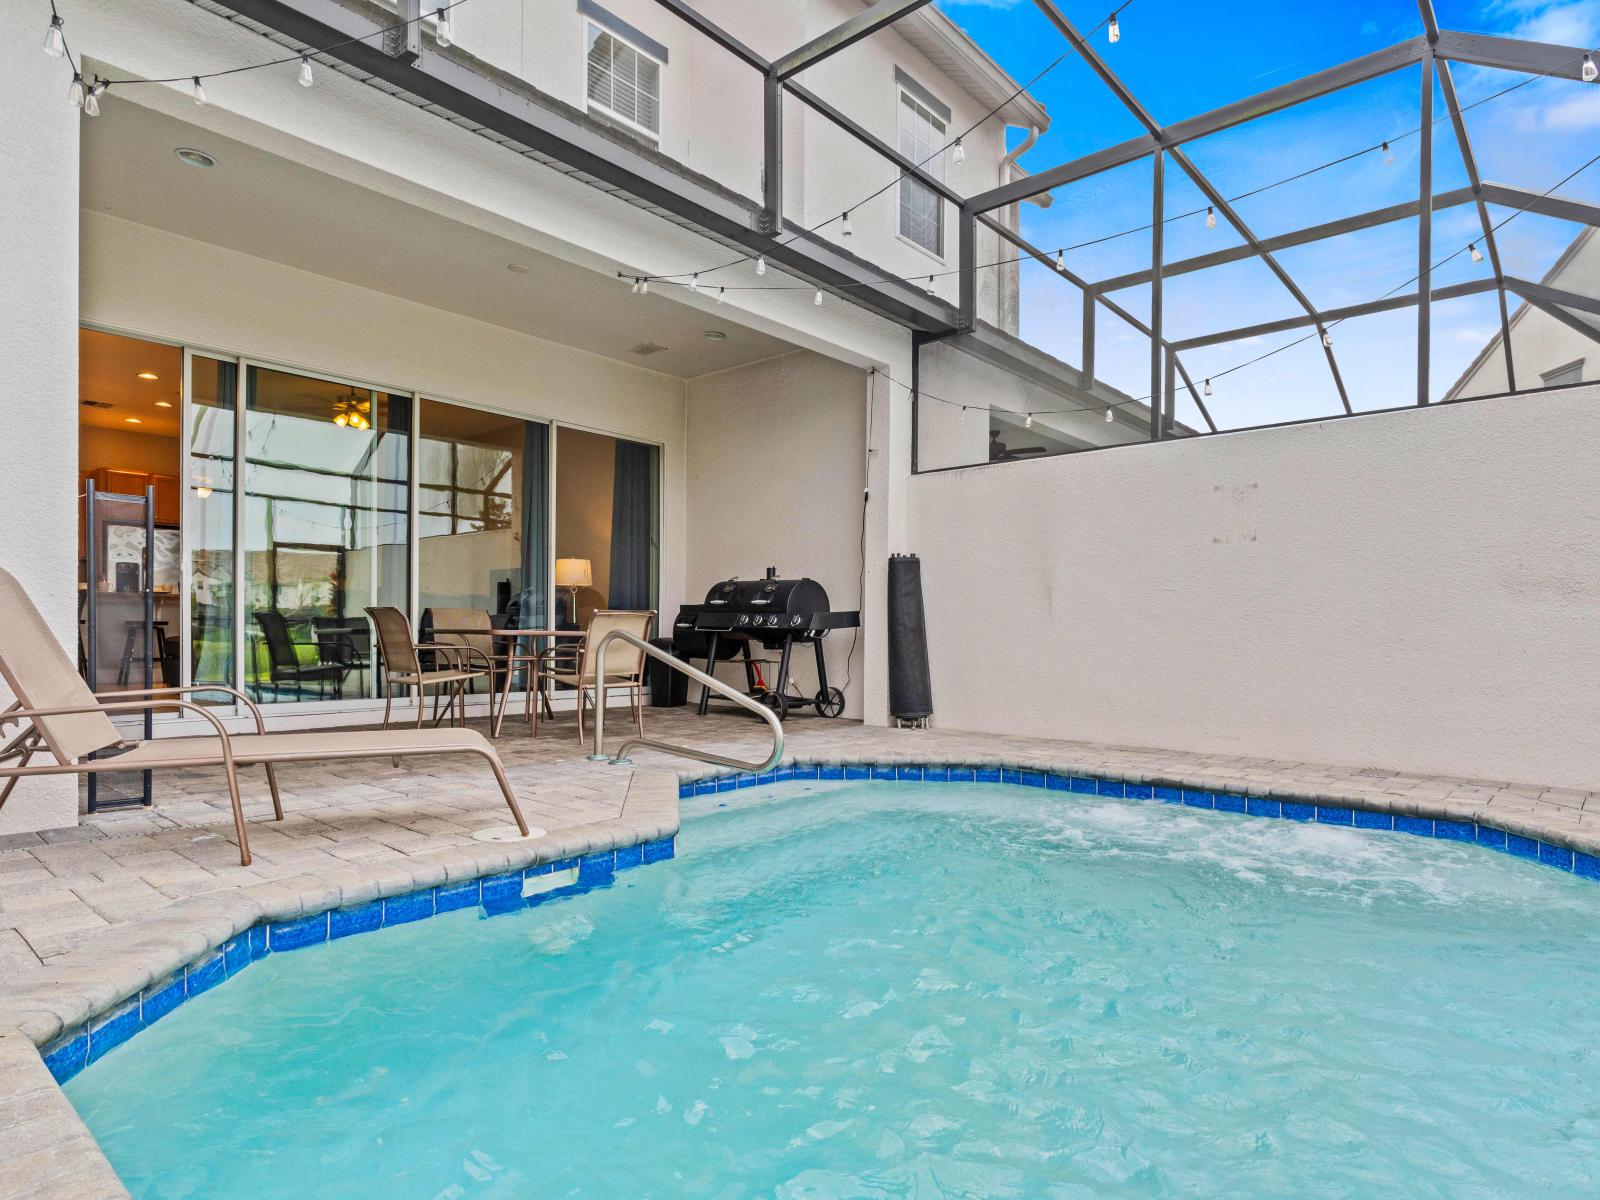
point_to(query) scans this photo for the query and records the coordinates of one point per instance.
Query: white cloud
(1563, 22)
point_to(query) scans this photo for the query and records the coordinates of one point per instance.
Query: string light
(722, 294)
(305, 70)
(199, 93)
(91, 99)
(694, 284)
(54, 44)
(644, 286)
(1327, 339)
(442, 33)
(960, 154)
(1208, 387)
(1028, 422)
(1211, 217)
(1110, 416)
(761, 264)
(844, 225)
(817, 299)
(75, 91)
(1061, 261)
(1388, 154)
(929, 288)
(1477, 255)
(1113, 35)
(1590, 71)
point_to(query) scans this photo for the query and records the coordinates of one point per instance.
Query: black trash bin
(669, 688)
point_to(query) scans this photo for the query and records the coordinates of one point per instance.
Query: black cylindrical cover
(910, 684)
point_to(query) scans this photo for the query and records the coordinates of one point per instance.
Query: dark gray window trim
(936, 107)
(623, 30)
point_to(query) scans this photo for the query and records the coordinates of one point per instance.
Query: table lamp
(572, 574)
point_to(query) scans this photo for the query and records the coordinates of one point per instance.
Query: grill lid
(769, 595)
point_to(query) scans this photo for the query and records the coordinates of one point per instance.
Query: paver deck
(90, 914)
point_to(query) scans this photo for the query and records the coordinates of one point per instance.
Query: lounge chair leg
(272, 784)
(238, 815)
(422, 702)
(505, 788)
(638, 709)
(388, 704)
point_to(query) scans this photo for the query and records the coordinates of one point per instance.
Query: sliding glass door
(482, 513)
(607, 544)
(326, 531)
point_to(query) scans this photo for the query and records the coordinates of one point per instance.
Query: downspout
(1010, 299)
(1043, 200)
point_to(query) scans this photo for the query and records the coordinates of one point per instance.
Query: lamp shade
(574, 573)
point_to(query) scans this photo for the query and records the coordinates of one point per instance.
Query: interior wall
(127, 450)
(777, 467)
(1414, 590)
(586, 473)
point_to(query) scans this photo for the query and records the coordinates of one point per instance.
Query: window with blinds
(624, 82)
(922, 137)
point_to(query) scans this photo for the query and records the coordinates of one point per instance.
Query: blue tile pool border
(495, 894)
(1562, 858)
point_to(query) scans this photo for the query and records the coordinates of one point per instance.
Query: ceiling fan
(1000, 452)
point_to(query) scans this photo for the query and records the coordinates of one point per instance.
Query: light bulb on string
(55, 45)
(694, 282)
(442, 33)
(1027, 422)
(635, 288)
(75, 91)
(929, 288)
(1061, 260)
(305, 70)
(722, 294)
(199, 93)
(761, 264)
(1327, 339)
(1211, 217)
(1477, 255)
(1388, 154)
(644, 287)
(91, 98)
(1208, 387)
(844, 225)
(1113, 31)
(1590, 71)
(1110, 416)
(817, 299)
(959, 153)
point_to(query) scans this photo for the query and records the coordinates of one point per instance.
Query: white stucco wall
(39, 363)
(1415, 590)
(777, 466)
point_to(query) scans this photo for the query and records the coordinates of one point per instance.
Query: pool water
(911, 990)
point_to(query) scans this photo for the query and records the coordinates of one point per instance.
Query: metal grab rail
(700, 677)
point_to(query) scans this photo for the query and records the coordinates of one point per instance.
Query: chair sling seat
(257, 748)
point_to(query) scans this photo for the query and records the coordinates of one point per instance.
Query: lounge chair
(58, 715)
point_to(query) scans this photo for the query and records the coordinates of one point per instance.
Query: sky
(1180, 59)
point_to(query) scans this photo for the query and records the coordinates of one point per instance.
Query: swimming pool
(896, 989)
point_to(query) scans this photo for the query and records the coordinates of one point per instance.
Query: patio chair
(480, 645)
(283, 657)
(58, 715)
(402, 663)
(346, 642)
(575, 665)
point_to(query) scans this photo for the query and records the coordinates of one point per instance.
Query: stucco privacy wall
(1416, 590)
(777, 466)
(39, 363)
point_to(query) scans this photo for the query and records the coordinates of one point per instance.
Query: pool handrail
(698, 676)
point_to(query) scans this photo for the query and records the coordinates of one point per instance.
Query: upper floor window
(624, 82)
(922, 136)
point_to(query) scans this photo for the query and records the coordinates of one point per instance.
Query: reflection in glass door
(326, 524)
(208, 520)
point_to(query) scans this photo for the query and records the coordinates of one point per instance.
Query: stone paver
(90, 916)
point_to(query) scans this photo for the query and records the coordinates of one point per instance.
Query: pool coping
(49, 1151)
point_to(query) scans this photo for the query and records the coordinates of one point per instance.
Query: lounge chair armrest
(255, 710)
(30, 714)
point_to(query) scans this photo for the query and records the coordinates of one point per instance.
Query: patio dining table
(530, 659)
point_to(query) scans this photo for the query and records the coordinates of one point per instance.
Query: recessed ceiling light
(133, 420)
(715, 335)
(194, 158)
(517, 268)
(148, 375)
(163, 403)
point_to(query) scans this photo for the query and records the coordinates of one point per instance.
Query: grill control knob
(744, 618)
(794, 620)
(773, 619)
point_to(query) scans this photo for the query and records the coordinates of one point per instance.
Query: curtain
(533, 611)
(633, 527)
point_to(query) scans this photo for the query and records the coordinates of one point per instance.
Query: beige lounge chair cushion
(287, 747)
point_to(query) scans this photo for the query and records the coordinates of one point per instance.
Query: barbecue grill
(774, 613)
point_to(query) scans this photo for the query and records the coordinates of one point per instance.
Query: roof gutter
(1043, 199)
